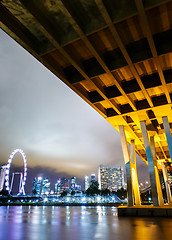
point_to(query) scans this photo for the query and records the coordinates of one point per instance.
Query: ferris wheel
(23, 175)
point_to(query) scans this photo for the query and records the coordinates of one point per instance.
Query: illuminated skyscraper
(37, 184)
(78, 187)
(45, 186)
(64, 184)
(87, 182)
(73, 183)
(34, 184)
(170, 178)
(61, 185)
(110, 177)
(58, 186)
(93, 177)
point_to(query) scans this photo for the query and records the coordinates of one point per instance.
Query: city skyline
(42, 185)
(80, 182)
(69, 185)
(62, 136)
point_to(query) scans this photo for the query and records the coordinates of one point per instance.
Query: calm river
(78, 223)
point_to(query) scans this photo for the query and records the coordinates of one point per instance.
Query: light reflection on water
(78, 223)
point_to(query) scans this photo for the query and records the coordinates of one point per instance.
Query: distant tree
(4, 193)
(93, 189)
(63, 194)
(105, 192)
(121, 193)
(34, 192)
(146, 195)
(72, 193)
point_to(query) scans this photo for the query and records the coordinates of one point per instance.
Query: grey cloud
(48, 120)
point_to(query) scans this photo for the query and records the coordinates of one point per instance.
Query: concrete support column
(135, 184)
(167, 186)
(168, 134)
(127, 165)
(153, 171)
(158, 183)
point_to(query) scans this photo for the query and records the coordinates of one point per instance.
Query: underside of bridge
(116, 55)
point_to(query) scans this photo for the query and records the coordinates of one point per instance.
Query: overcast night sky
(60, 134)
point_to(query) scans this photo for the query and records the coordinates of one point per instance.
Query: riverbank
(62, 204)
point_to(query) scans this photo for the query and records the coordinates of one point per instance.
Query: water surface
(78, 223)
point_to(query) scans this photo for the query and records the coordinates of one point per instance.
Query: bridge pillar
(167, 186)
(168, 134)
(127, 165)
(152, 166)
(131, 171)
(158, 183)
(134, 174)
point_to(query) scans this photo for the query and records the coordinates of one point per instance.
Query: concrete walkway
(145, 211)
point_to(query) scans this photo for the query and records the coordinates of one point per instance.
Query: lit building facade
(170, 178)
(93, 177)
(87, 182)
(78, 188)
(61, 185)
(58, 186)
(64, 184)
(37, 185)
(45, 186)
(73, 183)
(110, 177)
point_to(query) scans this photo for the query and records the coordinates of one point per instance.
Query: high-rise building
(78, 187)
(87, 182)
(73, 183)
(64, 184)
(37, 185)
(110, 177)
(93, 177)
(45, 186)
(34, 184)
(170, 178)
(58, 186)
(61, 185)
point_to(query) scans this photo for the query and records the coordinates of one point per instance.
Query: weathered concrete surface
(145, 211)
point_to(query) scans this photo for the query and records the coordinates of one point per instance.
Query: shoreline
(65, 204)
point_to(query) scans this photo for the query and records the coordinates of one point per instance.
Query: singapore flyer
(23, 175)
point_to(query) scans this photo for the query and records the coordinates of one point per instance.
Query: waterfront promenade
(78, 223)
